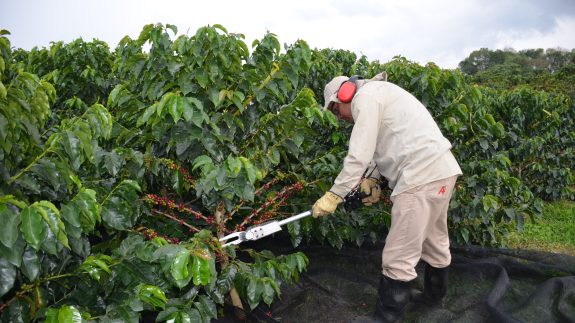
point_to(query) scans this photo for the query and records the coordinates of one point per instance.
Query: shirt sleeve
(362, 144)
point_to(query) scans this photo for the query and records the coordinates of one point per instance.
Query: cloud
(442, 31)
(561, 35)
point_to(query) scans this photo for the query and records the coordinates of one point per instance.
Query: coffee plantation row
(121, 168)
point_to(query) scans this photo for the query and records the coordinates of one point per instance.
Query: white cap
(330, 90)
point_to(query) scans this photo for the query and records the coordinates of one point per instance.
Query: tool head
(233, 239)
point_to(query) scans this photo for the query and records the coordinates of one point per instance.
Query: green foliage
(326, 64)
(79, 71)
(76, 184)
(65, 313)
(539, 139)
(233, 118)
(24, 111)
(261, 281)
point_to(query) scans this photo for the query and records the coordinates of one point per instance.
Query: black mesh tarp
(485, 285)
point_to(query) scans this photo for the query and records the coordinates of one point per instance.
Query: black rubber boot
(434, 286)
(393, 297)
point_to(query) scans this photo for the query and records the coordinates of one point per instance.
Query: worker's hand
(325, 205)
(370, 187)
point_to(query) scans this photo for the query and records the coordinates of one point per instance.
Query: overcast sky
(440, 31)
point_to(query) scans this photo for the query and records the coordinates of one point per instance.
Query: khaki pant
(418, 230)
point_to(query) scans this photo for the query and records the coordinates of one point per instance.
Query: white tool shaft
(295, 218)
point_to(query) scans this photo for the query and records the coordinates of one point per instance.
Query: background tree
(549, 70)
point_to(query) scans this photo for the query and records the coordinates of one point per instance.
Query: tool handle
(295, 218)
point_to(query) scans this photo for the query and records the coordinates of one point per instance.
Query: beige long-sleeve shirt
(395, 131)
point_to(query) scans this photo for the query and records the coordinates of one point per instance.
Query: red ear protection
(347, 89)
